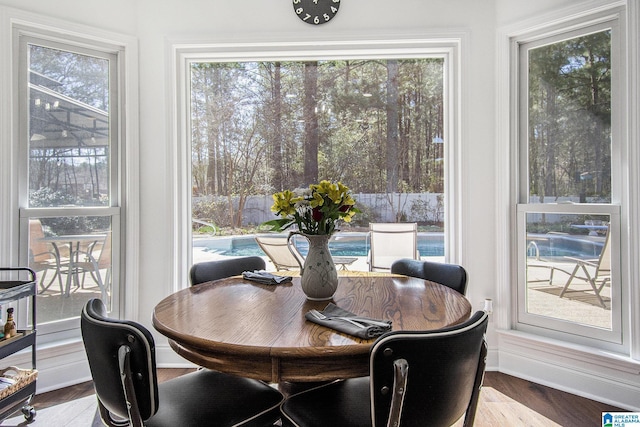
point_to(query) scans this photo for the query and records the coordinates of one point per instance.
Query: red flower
(344, 208)
(317, 215)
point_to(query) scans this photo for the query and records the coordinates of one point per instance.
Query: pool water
(352, 246)
(563, 245)
(429, 245)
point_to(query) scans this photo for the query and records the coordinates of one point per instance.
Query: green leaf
(278, 224)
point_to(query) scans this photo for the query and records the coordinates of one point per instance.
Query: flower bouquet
(315, 211)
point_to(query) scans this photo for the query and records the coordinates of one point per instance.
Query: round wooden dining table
(260, 331)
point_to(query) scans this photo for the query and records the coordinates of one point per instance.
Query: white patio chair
(390, 242)
(595, 270)
(92, 265)
(279, 252)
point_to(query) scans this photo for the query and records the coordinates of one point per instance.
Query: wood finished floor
(505, 401)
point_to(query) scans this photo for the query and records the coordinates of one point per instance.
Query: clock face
(316, 12)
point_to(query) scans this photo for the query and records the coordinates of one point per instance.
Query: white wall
(510, 11)
(114, 15)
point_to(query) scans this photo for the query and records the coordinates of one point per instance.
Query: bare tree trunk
(550, 149)
(213, 147)
(595, 137)
(276, 155)
(392, 126)
(311, 137)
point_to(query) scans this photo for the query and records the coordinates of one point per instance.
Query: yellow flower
(348, 217)
(317, 200)
(348, 200)
(284, 203)
(333, 191)
(316, 211)
(335, 194)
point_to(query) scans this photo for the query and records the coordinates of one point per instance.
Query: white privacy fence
(549, 217)
(396, 207)
(409, 207)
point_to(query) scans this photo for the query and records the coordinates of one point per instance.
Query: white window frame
(609, 339)
(625, 356)
(24, 38)
(183, 55)
(580, 333)
(16, 22)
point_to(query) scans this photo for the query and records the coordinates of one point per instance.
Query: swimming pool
(352, 244)
(558, 245)
(355, 244)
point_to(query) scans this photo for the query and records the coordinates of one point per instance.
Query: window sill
(516, 341)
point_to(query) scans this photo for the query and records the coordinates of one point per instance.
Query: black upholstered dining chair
(416, 379)
(122, 360)
(451, 275)
(219, 269)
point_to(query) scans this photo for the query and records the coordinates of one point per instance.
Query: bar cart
(17, 396)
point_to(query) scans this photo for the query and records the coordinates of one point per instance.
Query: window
(570, 186)
(379, 124)
(69, 198)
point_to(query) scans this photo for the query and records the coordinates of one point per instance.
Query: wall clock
(316, 12)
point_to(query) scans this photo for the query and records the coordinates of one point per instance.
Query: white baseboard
(167, 358)
(571, 369)
(60, 366)
(493, 360)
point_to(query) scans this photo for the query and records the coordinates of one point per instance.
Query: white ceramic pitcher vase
(319, 276)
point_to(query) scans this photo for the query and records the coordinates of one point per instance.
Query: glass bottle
(10, 327)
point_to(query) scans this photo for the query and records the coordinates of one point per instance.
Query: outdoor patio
(579, 304)
(52, 305)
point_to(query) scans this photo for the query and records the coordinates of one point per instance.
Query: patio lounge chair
(282, 254)
(42, 257)
(535, 261)
(88, 263)
(391, 242)
(595, 270)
